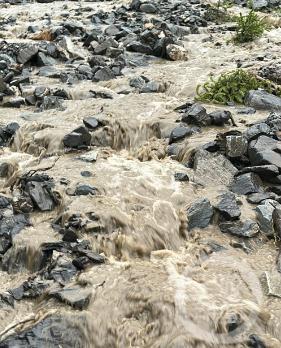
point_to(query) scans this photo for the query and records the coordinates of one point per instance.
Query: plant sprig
(233, 86)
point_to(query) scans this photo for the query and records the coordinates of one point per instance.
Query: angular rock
(40, 194)
(78, 138)
(181, 177)
(248, 228)
(179, 133)
(264, 151)
(84, 190)
(47, 333)
(91, 122)
(220, 118)
(213, 169)
(246, 183)
(257, 130)
(27, 53)
(75, 296)
(227, 206)
(264, 213)
(199, 214)
(236, 146)
(196, 115)
(256, 198)
(266, 171)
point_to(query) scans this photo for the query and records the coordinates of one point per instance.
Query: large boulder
(264, 150)
(263, 100)
(199, 214)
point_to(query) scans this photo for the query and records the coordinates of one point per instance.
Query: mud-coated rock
(199, 214)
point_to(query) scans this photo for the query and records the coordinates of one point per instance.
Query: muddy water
(160, 287)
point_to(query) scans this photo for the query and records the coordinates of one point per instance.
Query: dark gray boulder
(227, 206)
(263, 100)
(248, 228)
(264, 150)
(246, 183)
(199, 214)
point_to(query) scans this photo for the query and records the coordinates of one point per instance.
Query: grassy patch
(249, 27)
(233, 86)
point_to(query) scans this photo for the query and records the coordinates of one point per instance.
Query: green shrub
(233, 87)
(249, 27)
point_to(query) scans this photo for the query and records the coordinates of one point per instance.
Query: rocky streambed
(131, 213)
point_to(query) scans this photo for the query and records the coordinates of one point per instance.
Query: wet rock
(227, 206)
(11, 225)
(104, 74)
(175, 52)
(274, 121)
(277, 221)
(246, 111)
(6, 133)
(181, 177)
(41, 195)
(91, 122)
(70, 236)
(47, 333)
(256, 198)
(272, 283)
(86, 173)
(90, 156)
(248, 228)
(196, 115)
(255, 342)
(246, 183)
(136, 46)
(199, 214)
(27, 53)
(257, 130)
(264, 213)
(14, 103)
(148, 8)
(138, 82)
(264, 151)
(75, 296)
(212, 168)
(51, 102)
(220, 118)
(263, 100)
(179, 133)
(153, 87)
(82, 262)
(6, 300)
(236, 145)
(78, 138)
(84, 190)
(61, 270)
(265, 172)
